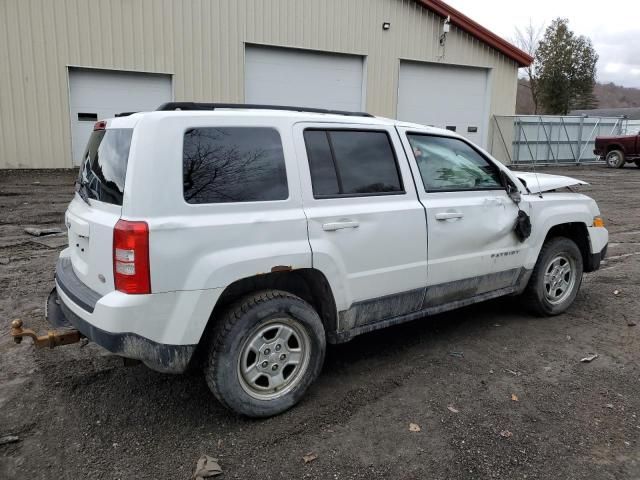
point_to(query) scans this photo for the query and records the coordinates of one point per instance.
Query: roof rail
(124, 114)
(214, 106)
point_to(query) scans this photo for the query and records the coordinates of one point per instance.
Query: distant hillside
(609, 95)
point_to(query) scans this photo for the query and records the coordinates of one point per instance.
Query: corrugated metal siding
(201, 42)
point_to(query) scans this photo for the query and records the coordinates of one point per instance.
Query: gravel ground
(79, 413)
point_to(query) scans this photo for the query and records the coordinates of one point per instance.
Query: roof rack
(214, 106)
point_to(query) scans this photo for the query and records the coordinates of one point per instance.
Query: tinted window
(104, 165)
(234, 164)
(365, 162)
(451, 164)
(350, 162)
(323, 173)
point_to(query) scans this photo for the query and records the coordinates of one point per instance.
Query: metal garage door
(282, 76)
(445, 96)
(97, 94)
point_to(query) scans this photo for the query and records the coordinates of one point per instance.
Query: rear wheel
(556, 277)
(615, 159)
(266, 350)
(637, 162)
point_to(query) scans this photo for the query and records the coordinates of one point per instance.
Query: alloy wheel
(273, 358)
(559, 279)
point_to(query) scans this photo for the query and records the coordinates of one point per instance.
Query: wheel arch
(576, 231)
(614, 146)
(309, 284)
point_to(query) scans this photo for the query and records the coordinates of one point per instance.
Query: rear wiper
(81, 188)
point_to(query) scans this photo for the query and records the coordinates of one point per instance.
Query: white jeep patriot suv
(249, 236)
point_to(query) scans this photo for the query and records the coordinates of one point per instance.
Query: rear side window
(104, 165)
(351, 163)
(233, 164)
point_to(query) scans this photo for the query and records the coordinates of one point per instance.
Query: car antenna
(537, 179)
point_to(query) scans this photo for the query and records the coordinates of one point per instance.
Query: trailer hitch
(52, 339)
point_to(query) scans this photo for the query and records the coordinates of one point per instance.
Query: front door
(367, 228)
(472, 246)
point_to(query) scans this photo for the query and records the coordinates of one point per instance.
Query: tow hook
(52, 339)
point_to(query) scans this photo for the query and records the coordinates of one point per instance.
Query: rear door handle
(448, 215)
(333, 226)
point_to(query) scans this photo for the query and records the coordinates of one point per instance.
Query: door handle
(449, 215)
(333, 226)
(494, 201)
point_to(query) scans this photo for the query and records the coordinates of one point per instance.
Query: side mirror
(511, 189)
(515, 195)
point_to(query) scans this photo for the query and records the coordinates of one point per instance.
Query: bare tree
(219, 170)
(527, 40)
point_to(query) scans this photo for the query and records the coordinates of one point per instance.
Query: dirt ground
(79, 413)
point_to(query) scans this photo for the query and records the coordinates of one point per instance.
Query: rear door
(367, 228)
(96, 208)
(469, 214)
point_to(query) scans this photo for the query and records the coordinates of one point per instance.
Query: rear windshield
(104, 165)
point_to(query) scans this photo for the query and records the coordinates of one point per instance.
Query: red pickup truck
(618, 150)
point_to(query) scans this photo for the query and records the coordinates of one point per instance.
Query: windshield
(104, 165)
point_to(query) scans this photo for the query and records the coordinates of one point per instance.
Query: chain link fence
(551, 139)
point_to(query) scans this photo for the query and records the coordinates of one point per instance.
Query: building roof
(632, 113)
(473, 28)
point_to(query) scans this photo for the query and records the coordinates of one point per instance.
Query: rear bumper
(158, 356)
(161, 329)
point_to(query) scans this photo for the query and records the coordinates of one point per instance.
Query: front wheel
(556, 277)
(615, 159)
(266, 350)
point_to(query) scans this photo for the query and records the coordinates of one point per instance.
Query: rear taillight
(100, 125)
(131, 257)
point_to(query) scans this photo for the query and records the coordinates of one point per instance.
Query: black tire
(615, 159)
(637, 162)
(231, 343)
(537, 292)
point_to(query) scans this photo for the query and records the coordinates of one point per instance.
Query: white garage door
(445, 96)
(98, 94)
(281, 76)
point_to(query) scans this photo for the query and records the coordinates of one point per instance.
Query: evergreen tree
(585, 58)
(566, 68)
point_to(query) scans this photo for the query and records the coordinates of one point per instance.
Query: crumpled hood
(544, 182)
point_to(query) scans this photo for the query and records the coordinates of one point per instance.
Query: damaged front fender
(545, 182)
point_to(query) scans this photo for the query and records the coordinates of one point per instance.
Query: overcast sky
(612, 25)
